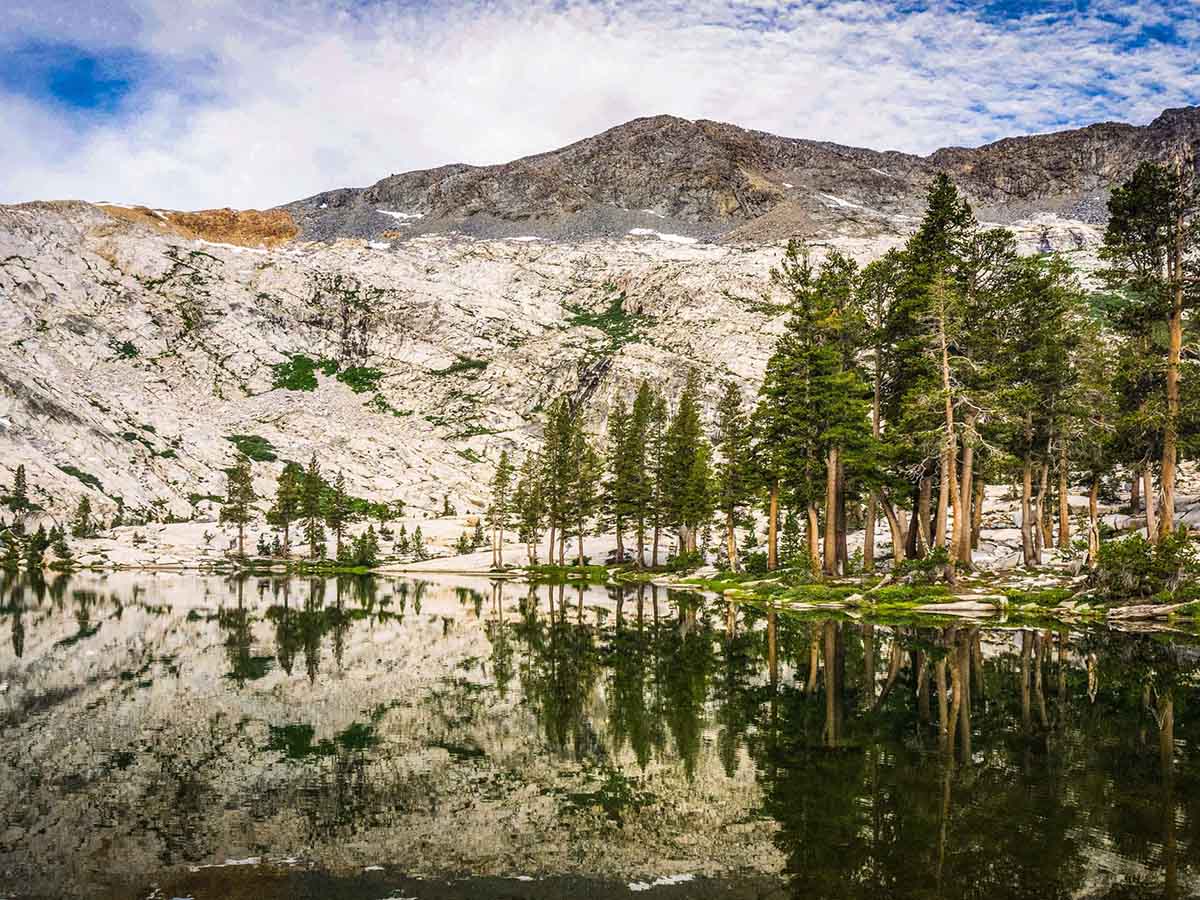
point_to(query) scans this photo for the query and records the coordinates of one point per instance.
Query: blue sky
(248, 103)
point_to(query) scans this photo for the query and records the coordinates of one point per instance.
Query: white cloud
(261, 106)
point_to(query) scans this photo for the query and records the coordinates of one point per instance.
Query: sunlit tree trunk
(1064, 505)
(829, 565)
(814, 536)
(1174, 349)
(773, 528)
(966, 484)
(977, 511)
(924, 513)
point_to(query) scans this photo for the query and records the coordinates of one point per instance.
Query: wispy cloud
(240, 103)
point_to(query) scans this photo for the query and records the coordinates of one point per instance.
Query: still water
(183, 736)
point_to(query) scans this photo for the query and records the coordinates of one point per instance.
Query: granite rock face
(407, 347)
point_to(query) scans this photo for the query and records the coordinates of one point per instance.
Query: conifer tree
(339, 511)
(732, 443)
(500, 509)
(81, 523)
(642, 465)
(584, 491)
(312, 508)
(289, 492)
(238, 506)
(529, 505)
(656, 491)
(684, 495)
(1151, 244)
(418, 543)
(617, 486)
(18, 498)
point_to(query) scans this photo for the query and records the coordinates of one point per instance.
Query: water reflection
(499, 728)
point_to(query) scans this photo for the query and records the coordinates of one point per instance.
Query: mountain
(408, 348)
(712, 180)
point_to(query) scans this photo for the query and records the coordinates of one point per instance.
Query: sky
(191, 104)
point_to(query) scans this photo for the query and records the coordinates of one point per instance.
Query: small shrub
(1135, 568)
(253, 446)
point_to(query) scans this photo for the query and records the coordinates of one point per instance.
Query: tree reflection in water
(896, 760)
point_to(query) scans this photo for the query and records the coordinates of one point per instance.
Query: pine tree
(684, 494)
(238, 506)
(18, 498)
(656, 489)
(583, 498)
(35, 549)
(618, 488)
(529, 505)
(500, 509)
(289, 495)
(1151, 243)
(402, 544)
(339, 511)
(732, 443)
(312, 508)
(81, 524)
(418, 543)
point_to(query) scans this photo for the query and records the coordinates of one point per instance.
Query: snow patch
(232, 248)
(670, 238)
(840, 203)
(661, 881)
(379, 245)
(323, 206)
(248, 861)
(653, 213)
(373, 869)
(881, 172)
(788, 185)
(526, 238)
(400, 216)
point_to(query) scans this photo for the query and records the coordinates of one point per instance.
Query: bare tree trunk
(731, 539)
(550, 544)
(657, 536)
(899, 537)
(977, 512)
(943, 501)
(843, 550)
(829, 566)
(1135, 489)
(1029, 554)
(1064, 505)
(772, 528)
(814, 537)
(1151, 517)
(962, 516)
(1174, 348)
(869, 534)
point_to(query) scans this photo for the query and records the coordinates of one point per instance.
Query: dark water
(178, 736)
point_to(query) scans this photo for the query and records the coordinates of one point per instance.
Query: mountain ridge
(707, 179)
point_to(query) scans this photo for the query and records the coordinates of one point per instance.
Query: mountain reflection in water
(153, 724)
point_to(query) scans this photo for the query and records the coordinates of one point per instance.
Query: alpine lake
(167, 735)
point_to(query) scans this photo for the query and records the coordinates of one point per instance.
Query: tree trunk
(843, 550)
(814, 537)
(1064, 505)
(641, 542)
(1135, 489)
(772, 528)
(287, 543)
(1029, 554)
(581, 543)
(829, 565)
(620, 539)
(943, 501)
(1151, 517)
(962, 515)
(977, 512)
(1174, 348)
(731, 539)
(1093, 521)
(241, 540)
(657, 536)
(899, 538)
(550, 545)
(924, 511)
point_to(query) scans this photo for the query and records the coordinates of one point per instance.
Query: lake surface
(171, 736)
